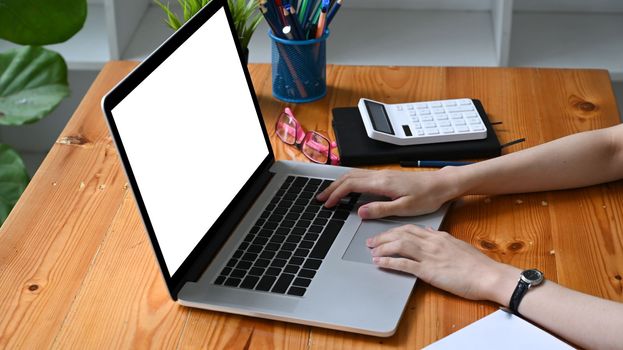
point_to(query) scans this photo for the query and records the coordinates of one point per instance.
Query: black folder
(356, 148)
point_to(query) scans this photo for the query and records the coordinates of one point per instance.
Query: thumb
(375, 210)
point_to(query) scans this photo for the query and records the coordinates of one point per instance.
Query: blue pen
(430, 163)
(333, 11)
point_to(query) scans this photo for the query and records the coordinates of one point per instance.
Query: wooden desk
(76, 267)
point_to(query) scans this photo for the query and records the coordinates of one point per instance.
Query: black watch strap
(518, 294)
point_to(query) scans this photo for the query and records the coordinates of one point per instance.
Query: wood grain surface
(77, 270)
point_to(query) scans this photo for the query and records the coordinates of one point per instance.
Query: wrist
(501, 283)
(454, 181)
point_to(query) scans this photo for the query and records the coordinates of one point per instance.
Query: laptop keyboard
(286, 246)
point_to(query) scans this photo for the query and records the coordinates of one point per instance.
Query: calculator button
(435, 104)
(473, 121)
(399, 107)
(423, 111)
(412, 113)
(449, 103)
(456, 116)
(465, 102)
(429, 125)
(426, 119)
(442, 117)
(417, 125)
(432, 131)
(462, 129)
(419, 132)
(458, 122)
(477, 128)
(421, 105)
(470, 115)
(447, 130)
(415, 119)
(444, 123)
(438, 110)
(410, 107)
(460, 109)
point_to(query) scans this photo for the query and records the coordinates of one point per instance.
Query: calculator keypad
(454, 119)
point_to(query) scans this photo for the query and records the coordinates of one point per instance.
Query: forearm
(577, 160)
(582, 319)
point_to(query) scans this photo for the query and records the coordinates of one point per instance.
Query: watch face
(532, 275)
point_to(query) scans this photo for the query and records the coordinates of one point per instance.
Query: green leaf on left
(33, 81)
(13, 180)
(41, 22)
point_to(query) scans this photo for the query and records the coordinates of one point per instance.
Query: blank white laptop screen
(192, 136)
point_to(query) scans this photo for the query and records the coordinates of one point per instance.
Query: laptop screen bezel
(208, 246)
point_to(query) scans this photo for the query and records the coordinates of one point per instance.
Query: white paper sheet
(500, 330)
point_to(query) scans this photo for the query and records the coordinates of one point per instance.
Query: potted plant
(246, 18)
(33, 79)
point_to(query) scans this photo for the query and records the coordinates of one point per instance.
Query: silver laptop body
(191, 137)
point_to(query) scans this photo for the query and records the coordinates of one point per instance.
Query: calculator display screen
(379, 118)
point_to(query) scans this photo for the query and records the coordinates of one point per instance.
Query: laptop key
(311, 237)
(300, 181)
(301, 282)
(303, 223)
(265, 233)
(272, 246)
(254, 248)
(261, 263)
(273, 271)
(320, 221)
(301, 253)
(310, 216)
(297, 209)
(288, 247)
(294, 238)
(238, 254)
(271, 225)
(267, 254)
(265, 283)
(257, 271)
(312, 264)
(284, 254)
(306, 273)
(296, 291)
(278, 239)
(219, 280)
(283, 283)
(226, 271)
(249, 282)
(326, 240)
(254, 229)
(232, 282)
(249, 256)
(296, 261)
(279, 263)
(237, 273)
(292, 216)
(244, 265)
(259, 240)
(232, 262)
(315, 229)
(306, 244)
(291, 269)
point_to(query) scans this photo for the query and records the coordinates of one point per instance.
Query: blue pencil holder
(299, 69)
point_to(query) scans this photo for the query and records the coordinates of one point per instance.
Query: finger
(396, 233)
(402, 247)
(361, 184)
(375, 210)
(322, 196)
(399, 264)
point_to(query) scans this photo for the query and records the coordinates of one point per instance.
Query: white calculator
(420, 123)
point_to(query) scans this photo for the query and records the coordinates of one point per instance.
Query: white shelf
(568, 40)
(402, 37)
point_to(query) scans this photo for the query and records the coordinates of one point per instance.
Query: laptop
(232, 229)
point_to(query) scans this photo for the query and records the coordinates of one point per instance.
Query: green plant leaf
(13, 180)
(33, 81)
(41, 22)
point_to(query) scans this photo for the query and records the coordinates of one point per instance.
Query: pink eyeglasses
(317, 147)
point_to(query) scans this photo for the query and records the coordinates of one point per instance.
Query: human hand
(444, 262)
(411, 193)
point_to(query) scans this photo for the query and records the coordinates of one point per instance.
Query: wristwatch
(527, 279)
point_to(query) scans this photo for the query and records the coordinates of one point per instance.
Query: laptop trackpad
(357, 250)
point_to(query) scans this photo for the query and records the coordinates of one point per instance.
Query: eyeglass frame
(332, 159)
